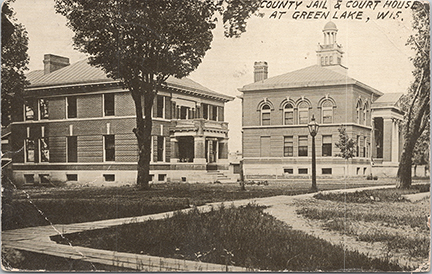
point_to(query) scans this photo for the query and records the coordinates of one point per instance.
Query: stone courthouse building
(76, 125)
(276, 111)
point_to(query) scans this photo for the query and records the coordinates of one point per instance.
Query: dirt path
(286, 211)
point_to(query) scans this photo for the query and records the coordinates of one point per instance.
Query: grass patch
(372, 196)
(71, 205)
(386, 217)
(244, 236)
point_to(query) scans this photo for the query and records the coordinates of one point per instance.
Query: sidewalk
(37, 239)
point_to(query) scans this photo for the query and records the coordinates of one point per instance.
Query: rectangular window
(72, 149)
(288, 170)
(109, 142)
(28, 112)
(160, 100)
(44, 179)
(302, 171)
(205, 109)
(303, 117)
(71, 105)
(29, 179)
(109, 177)
(109, 104)
(326, 171)
(265, 118)
(288, 146)
(363, 147)
(161, 177)
(184, 112)
(289, 118)
(72, 177)
(43, 109)
(44, 150)
(214, 113)
(327, 116)
(358, 146)
(30, 150)
(160, 148)
(327, 145)
(303, 146)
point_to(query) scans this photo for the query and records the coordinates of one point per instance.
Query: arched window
(265, 115)
(327, 112)
(366, 114)
(288, 114)
(303, 112)
(358, 112)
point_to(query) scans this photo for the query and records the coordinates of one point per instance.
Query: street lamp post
(313, 130)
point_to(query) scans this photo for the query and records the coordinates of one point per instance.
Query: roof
(330, 26)
(388, 100)
(307, 77)
(83, 73)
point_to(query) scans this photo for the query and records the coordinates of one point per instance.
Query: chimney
(260, 71)
(54, 62)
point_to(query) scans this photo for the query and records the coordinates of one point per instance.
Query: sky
(375, 49)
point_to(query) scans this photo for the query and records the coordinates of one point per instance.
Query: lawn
(63, 205)
(244, 236)
(376, 216)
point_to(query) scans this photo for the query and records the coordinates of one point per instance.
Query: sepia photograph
(215, 135)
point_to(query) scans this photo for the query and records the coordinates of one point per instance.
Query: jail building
(77, 124)
(276, 111)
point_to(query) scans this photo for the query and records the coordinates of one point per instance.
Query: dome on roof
(330, 26)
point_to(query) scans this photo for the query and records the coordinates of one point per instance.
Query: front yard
(245, 236)
(39, 206)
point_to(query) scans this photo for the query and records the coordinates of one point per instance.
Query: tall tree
(14, 61)
(417, 111)
(421, 151)
(346, 146)
(143, 42)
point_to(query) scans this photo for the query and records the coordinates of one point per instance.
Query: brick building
(276, 111)
(76, 125)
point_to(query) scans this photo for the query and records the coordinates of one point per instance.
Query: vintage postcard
(207, 135)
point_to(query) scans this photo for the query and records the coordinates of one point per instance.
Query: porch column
(387, 139)
(199, 150)
(373, 145)
(174, 150)
(395, 141)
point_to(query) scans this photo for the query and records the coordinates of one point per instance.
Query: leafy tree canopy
(143, 42)
(345, 144)
(150, 40)
(14, 61)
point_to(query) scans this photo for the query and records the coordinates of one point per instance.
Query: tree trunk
(405, 164)
(143, 133)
